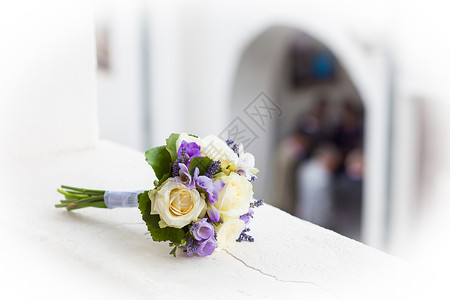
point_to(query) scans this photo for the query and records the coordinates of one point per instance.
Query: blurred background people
(347, 196)
(316, 126)
(324, 182)
(291, 152)
(315, 186)
(348, 132)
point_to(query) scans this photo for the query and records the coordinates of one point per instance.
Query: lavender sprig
(182, 158)
(191, 246)
(213, 168)
(257, 203)
(233, 145)
(245, 237)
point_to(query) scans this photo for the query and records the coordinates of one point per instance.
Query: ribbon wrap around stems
(115, 199)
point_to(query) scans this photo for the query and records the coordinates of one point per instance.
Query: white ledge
(109, 253)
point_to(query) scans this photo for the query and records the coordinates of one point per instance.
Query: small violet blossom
(207, 247)
(191, 149)
(202, 230)
(213, 213)
(247, 217)
(204, 242)
(184, 177)
(211, 187)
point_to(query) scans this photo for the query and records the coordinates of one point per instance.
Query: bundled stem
(76, 198)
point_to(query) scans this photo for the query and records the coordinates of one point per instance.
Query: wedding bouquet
(202, 200)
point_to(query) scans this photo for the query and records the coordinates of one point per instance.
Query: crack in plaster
(275, 277)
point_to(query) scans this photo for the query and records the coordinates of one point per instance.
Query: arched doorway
(298, 74)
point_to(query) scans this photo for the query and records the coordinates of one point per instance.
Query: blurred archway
(315, 144)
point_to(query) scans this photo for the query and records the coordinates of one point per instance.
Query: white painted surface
(120, 88)
(47, 93)
(167, 98)
(108, 253)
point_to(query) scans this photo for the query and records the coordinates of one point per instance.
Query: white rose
(186, 137)
(176, 205)
(229, 232)
(235, 197)
(217, 149)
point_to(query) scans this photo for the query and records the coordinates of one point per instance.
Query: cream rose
(229, 232)
(235, 197)
(176, 205)
(217, 149)
(186, 137)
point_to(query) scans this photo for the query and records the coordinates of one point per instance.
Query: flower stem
(76, 198)
(86, 191)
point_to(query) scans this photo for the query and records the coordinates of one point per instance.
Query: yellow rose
(235, 197)
(229, 232)
(176, 205)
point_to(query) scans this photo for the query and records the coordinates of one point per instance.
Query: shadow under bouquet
(202, 200)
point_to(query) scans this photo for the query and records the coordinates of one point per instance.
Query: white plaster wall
(419, 44)
(120, 89)
(167, 96)
(47, 59)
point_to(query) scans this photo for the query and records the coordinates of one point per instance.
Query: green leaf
(202, 163)
(164, 178)
(175, 235)
(159, 159)
(171, 143)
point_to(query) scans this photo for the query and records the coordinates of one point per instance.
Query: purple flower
(184, 177)
(217, 186)
(202, 230)
(207, 247)
(211, 187)
(202, 181)
(247, 217)
(191, 149)
(199, 245)
(213, 213)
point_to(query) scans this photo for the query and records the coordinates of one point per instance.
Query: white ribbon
(115, 199)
